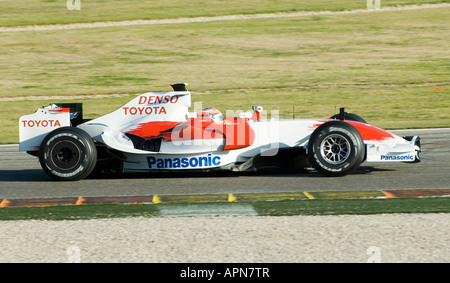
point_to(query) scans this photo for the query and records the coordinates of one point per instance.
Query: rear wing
(34, 127)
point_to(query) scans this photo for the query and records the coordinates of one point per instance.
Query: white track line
(213, 19)
(207, 209)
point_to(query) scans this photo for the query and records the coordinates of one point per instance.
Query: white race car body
(155, 131)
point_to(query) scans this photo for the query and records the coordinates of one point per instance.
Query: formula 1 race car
(156, 132)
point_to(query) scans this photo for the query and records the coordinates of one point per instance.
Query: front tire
(68, 154)
(336, 149)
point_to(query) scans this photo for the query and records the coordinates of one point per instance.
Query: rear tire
(336, 149)
(68, 154)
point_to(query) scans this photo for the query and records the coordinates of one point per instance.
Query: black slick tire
(68, 154)
(336, 149)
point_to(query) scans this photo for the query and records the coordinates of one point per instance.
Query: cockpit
(212, 113)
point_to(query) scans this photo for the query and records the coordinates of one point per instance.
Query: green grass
(342, 50)
(77, 212)
(392, 68)
(354, 206)
(263, 208)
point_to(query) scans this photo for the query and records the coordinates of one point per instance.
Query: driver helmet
(213, 113)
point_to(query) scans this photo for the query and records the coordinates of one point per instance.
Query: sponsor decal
(146, 101)
(41, 123)
(152, 99)
(144, 110)
(408, 157)
(184, 162)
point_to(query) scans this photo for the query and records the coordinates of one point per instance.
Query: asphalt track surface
(22, 177)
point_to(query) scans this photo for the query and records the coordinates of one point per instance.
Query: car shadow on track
(37, 175)
(27, 175)
(363, 170)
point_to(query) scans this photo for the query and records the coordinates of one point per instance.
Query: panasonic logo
(408, 157)
(192, 162)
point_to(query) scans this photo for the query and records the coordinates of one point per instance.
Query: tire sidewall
(353, 160)
(82, 159)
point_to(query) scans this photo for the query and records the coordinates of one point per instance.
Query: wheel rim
(335, 149)
(65, 155)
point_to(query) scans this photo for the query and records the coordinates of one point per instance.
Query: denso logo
(157, 99)
(150, 100)
(192, 162)
(41, 123)
(408, 157)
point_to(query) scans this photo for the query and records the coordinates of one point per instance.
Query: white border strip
(207, 209)
(213, 19)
